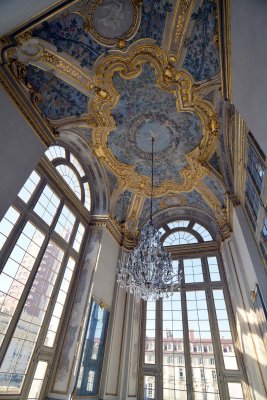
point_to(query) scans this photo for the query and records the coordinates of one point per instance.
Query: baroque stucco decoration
(62, 49)
(111, 22)
(178, 83)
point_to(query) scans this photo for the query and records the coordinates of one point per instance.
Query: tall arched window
(41, 237)
(189, 347)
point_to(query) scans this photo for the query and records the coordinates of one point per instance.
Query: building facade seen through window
(89, 376)
(189, 338)
(41, 238)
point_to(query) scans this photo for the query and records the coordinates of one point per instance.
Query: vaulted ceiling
(114, 72)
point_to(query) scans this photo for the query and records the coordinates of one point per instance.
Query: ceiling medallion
(111, 22)
(176, 83)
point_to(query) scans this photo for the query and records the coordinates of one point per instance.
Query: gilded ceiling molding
(181, 85)
(41, 54)
(84, 121)
(134, 212)
(221, 213)
(212, 171)
(204, 88)
(24, 104)
(240, 161)
(176, 28)
(224, 39)
(111, 23)
(121, 187)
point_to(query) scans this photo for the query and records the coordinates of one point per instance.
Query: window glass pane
(59, 305)
(38, 380)
(203, 232)
(178, 224)
(149, 387)
(179, 237)
(16, 271)
(255, 169)
(150, 332)
(87, 196)
(47, 205)
(79, 237)
(213, 269)
(55, 152)
(22, 344)
(70, 178)
(227, 345)
(65, 223)
(193, 270)
(201, 347)
(77, 165)
(235, 390)
(264, 230)
(29, 187)
(252, 197)
(174, 375)
(93, 352)
(162, 231)
(7, 224)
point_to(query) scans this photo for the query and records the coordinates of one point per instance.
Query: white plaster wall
(105, 274)
(15, 12)
(244, 268)
(112, 383)
(20, 151)
(249, 64)
(254, 269)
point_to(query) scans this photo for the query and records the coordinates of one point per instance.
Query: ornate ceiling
(114, 72)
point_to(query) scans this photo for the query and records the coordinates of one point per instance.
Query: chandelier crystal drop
(148, 272)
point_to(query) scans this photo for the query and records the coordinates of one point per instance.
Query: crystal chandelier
(148, 273)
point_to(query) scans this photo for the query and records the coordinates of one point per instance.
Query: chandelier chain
(148, 272)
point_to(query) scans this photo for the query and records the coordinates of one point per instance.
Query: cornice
(224, 19)
(192, 249)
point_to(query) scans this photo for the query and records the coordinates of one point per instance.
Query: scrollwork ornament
(111, 23)
(181, 85)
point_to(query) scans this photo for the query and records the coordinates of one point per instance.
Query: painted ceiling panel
(202, 56)
(58, 100)
(143, 109)
(112, 180)
(215, 162)
(154, 13)
(146, 209)
(67, 34)
(67, 31)
(195, 199)
(121, 208)
(216, 188)
(142, 106)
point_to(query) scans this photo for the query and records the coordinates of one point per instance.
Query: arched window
(184, 232)
(71, 171)
(192, 331)
(41, 237)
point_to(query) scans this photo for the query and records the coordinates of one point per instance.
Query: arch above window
(182, 232)
(72, 172)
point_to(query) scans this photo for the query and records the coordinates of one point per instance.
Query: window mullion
(42, 352)
(158, 350)
(219, 364)
(22, 300)
(188, 368)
